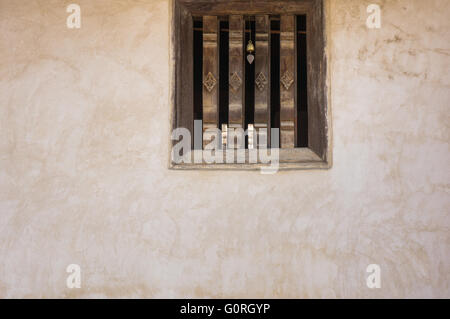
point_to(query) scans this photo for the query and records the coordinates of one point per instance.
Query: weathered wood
(262, 78)
(210, 76)
(297, 158)
(227, 7)
(288, 82)
(237, 72)
(249, 31)
(318, 111)
(185, 71)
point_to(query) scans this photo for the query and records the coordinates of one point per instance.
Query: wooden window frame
(318, 155)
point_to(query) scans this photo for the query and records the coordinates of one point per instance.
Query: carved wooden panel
(288, 82)
(237, 73)
(262, 76)
(210, 75)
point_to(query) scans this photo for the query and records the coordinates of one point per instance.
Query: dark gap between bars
(302, 83)
(224, 53)
(249, 79)
(275, 75)
(198, 71)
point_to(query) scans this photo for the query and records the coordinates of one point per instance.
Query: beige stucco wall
(84, 122)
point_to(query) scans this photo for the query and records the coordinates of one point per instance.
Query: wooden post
(288, 82)
(210, 76)
(237, 73)
(262, 78)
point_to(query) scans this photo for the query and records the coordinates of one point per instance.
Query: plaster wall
(84, 124)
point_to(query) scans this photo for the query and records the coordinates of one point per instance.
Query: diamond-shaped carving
(287, 79)
(261, 81)
(210, 82)
(235, 82)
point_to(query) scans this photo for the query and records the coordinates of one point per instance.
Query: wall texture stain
(84, 121)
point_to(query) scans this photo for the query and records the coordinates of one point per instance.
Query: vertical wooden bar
(210, 76)
(237, 73)
(185, 71)
(262, 78)
(288, 82)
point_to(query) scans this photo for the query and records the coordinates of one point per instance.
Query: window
(257, 67)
